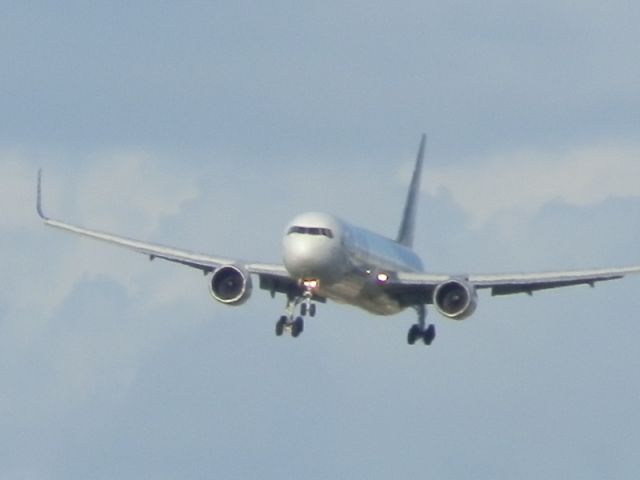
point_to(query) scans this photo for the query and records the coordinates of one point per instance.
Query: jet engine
(455, 299)
(230, 285)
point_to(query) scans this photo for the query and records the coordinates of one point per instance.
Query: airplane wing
(272, 277)
(421, 285)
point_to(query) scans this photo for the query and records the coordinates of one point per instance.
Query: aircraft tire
(429, 334)
(312, 309)
(413, 334)
(297, 328)
(280, 325)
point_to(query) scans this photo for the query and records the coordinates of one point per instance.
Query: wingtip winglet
(39, 197)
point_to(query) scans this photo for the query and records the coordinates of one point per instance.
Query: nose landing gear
(307, 308)
(291, 323)
(420, 331)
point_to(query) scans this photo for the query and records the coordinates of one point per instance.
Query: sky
(208, 126)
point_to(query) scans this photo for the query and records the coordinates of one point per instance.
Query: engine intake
(455, 299)
(230, 285)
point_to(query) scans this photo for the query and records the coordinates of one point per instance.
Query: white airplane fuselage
(349, 264)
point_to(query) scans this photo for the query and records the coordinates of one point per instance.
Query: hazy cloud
(17, 190)
(209, 125)
(522, 182)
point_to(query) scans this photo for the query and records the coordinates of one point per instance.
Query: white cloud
(17, 191)
(133, 190)
(44, 271)
(522, 182)
(127, 192)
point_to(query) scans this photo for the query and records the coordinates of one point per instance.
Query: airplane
(325, 258)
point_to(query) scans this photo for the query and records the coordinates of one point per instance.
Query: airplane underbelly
(363, 294)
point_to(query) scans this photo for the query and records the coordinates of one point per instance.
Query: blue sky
(209, 125)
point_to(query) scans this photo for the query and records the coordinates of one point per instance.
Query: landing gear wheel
(429, 334)
(415, 332)
(312, 309)
(280, 325)
(303, 309)
(297, 327)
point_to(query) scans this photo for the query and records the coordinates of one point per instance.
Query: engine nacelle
(455, 299)
(230, 285)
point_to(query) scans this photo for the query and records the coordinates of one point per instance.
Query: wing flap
(203, 262)
(411, 286)
(499, 290)
(523, 282)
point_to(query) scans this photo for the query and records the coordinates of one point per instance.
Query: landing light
(311, 284)
(382, 277)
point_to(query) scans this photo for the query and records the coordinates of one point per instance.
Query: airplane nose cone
(306, 257)
(312, 247)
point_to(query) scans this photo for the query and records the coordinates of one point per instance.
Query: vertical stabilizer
(405, 234)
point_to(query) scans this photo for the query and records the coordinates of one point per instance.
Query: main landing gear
(420, 331)
(291, 323)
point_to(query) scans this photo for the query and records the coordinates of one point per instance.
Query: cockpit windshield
(325, 232)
